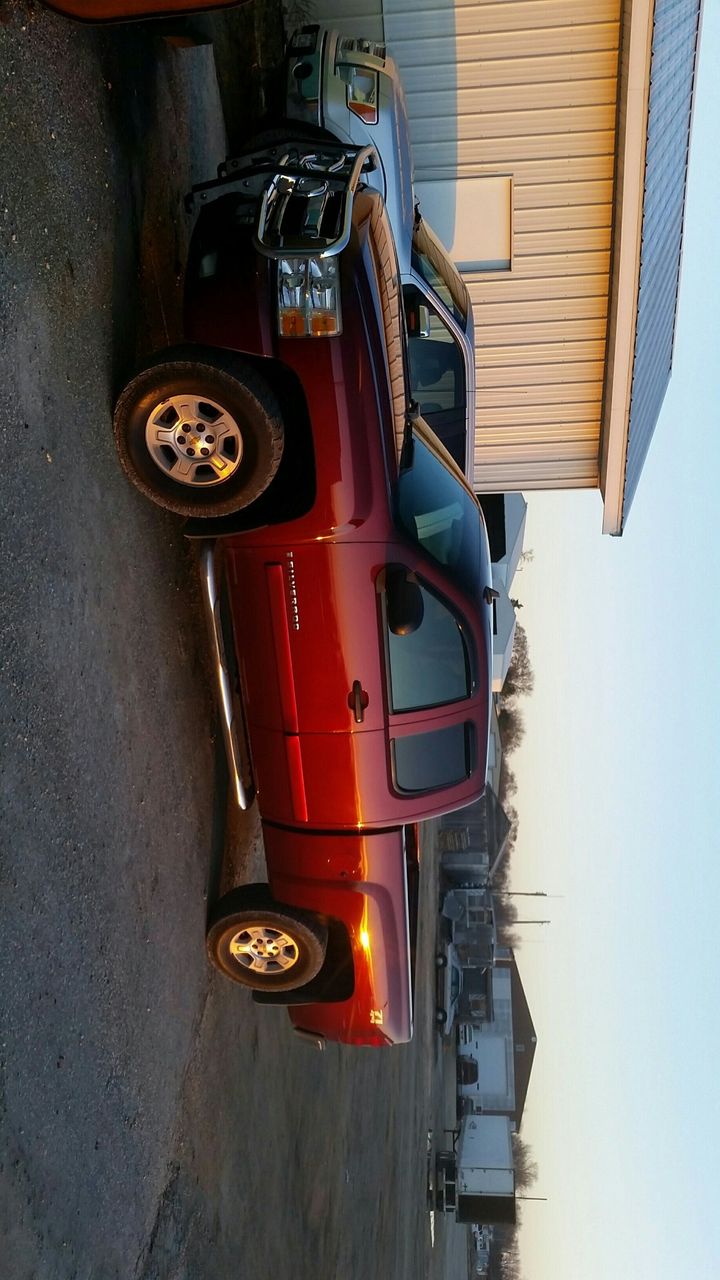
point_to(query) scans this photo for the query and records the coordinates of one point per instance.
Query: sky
(619, 805)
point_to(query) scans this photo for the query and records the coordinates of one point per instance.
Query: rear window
(433, 264)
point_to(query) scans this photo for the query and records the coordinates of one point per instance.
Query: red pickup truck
(125, 10)
(346, 571)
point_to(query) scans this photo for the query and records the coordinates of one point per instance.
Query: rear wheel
(263, 944)
(199, 435)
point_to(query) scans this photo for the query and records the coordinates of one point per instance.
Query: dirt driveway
(152, 1122)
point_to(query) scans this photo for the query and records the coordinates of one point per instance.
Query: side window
(431, 761)
(431, 665)
(431, 261)
(437, 373)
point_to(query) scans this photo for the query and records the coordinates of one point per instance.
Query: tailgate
(366, 886)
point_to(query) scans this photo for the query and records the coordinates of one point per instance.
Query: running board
(244, 795)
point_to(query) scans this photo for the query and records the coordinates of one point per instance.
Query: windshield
(431, 261)
(435, 509)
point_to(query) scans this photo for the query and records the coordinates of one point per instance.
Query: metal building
(551, 141)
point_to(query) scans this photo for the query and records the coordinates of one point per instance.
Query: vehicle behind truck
(346, 575)
(475, 1180)
(351, 88)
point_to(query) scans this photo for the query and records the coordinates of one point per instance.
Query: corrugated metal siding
(351, 17)
(672, 71)
(529, 88)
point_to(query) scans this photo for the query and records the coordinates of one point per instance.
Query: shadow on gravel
(219, 825)
(249, 44)
(128, 57)
(152, 71)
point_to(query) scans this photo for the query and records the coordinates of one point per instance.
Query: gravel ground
(153, 1122)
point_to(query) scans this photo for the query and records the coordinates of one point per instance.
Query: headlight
(308, 297)
(373, 48)
(362, 92)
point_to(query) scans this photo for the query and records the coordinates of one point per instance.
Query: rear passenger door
(417, 739)
(432, 677)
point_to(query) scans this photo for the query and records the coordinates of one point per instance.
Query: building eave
(633, 100)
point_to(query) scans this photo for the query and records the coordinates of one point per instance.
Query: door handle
(357, 701)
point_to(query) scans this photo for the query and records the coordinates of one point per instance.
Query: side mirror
(404, 601)
(490, 594)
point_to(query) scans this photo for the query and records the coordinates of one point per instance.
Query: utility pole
(520, 893)
(525, 893)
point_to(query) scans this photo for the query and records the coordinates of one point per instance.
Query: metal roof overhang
(633, 99)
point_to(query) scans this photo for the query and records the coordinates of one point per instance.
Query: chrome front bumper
(298, 195)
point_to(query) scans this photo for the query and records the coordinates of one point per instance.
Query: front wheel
(199, 434)
(263, 944)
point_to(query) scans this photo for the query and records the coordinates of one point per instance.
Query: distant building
(495, 1057)
(505, 515)
(485, 1058)
(473, 840)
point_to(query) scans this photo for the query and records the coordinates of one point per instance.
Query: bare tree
(504, 1254)
(507, 787)
(511, 724)
(520, 679)
(526, 1169)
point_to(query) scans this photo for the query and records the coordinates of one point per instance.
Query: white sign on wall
(473, 218)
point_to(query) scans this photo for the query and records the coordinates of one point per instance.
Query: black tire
(252, 919)
(248, 404)
(441, 960)
(440, 1017)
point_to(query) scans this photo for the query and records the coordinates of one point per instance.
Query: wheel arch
(292, 491)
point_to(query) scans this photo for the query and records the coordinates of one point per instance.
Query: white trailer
(476, 1180)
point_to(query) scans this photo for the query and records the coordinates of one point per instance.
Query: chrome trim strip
(211, 602)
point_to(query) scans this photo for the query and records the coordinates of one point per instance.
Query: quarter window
(433, 760)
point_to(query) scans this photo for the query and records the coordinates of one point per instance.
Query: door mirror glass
(404, 601)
